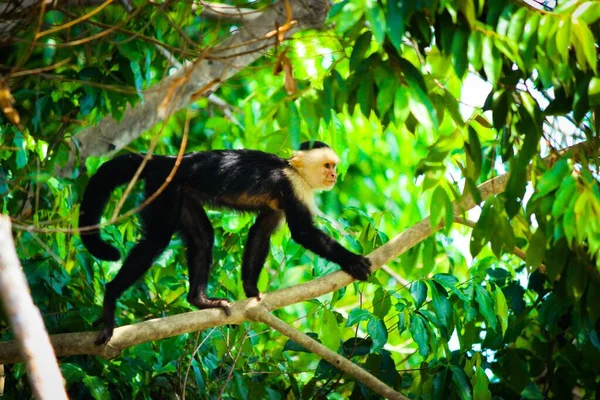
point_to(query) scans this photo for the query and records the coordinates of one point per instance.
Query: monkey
(274, 188)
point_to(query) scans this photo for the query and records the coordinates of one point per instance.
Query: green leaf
(563, 38)
(376, 19)
(382, 303)
(486, 306)
(500, 107)
(536, 249)
(517, 25)
(594, 92)
(442, 307)
(480, 384)
(395, 22)
(357, 315)
(97, 387)
(501, 309)
(553, 178)
(564, 194)
(474, 49)
(3, 181)
(492, 61)
(294, 126)
(588, 12)
(378, 332)
(21, 157)
(529, 38)
(403, 321)
(418, 291)
(422, 108)
(585, 48)
(329, 330)
(72, 372)
(361, 46)
(401, 107)
(420, 334)
(459, 50)
(88, 102)
(474, 154)
(486, 227)
(544, 27)
(386, 94)
(461, 383)
(439, 199)
(294, 346)
(504, 20)
(446, 279)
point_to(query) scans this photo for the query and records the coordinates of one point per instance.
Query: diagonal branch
(203, 76)
(258, 312)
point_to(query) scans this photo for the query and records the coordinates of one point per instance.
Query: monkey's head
(316, 162)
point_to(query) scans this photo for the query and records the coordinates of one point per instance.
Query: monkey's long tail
(111, 174)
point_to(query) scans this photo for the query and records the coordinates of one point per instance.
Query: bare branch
(225, 11)
(258, 312)
(206, 74)
(32, 339)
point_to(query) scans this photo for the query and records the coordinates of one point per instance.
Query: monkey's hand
(358, 266)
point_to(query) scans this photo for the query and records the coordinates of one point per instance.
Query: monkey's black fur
(246, 180)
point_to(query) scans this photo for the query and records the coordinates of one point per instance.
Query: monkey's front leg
(257, 249)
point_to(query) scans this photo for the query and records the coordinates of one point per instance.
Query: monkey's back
(240, 179)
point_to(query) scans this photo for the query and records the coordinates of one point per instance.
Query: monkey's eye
(327, 165)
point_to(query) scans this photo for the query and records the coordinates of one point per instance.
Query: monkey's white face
(317, 167)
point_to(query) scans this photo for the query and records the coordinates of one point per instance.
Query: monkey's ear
(296, 160)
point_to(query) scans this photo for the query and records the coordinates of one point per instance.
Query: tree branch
(203, 76)
(225, 11)
(256, 311)
(32, 342)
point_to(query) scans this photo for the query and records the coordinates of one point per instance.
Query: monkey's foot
(205, 303)
(105, 335)
(358, 266)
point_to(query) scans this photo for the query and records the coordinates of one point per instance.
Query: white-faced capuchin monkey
(246, 180)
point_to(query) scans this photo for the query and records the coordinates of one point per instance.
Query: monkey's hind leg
(159, 221)
(257, 249)
(198, 234)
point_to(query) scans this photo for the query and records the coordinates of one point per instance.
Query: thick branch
(258, 312)
(218, 65)
(32, 341)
